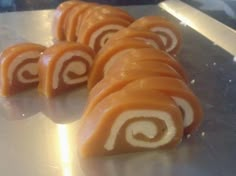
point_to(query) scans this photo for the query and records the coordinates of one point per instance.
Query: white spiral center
(188, 110)
(101, 30)
(164, 39)
(146, 129)
(31, 67)
(105, 38)
(75, 66)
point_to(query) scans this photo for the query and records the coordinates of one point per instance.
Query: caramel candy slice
(130, 121)
(140, 34)
(19, 67)
(60, 17)
(181, 94)
(73, 22)
(64, 66)
(143, 66)
(97, 10)
(109, 11)
(148, 54)
(98, 28)
(119, 76)
(110, 53)
(168, 32)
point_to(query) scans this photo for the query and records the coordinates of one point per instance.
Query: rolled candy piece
(21, 106)
(64, 109)
(109, 53)
(60, 17)
(144, 66)
(107, 10)
(64, 66)
(168, 32)
(19, 67)
(118, 78)
(151, 54)
(73, 22)
(121, 123)
(140, 34)
(98, 28)
(181, 94)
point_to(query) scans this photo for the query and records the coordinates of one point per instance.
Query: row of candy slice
(55, 69)
(88, 23)
(141, 102)
(142, 30)
(94, 24)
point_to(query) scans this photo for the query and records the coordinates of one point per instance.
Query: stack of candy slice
(139, 98)
(19, 67)
(63, 67)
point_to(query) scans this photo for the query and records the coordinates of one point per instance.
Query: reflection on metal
(217, 32)
(66, 158)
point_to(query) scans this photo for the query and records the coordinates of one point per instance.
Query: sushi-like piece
(168, 32)
(109, 11)
(19, 67)
(151, 54)
(121, 123)
(140, 34)
(181, 94)
(109, 53)
(21, 106)
(144, 66)
(64, 66)
(60, 17)
(118, 77)
(73, 22)
(64, 108)
(97, 29)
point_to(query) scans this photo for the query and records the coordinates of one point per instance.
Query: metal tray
(38, 137)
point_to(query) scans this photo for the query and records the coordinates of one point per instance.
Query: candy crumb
(188, 136)
(234, 59)
(203, 134)
(193, 81)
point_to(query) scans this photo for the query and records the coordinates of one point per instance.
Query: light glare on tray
(64, 149)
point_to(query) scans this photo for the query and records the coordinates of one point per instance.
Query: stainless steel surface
(215, 31)
(222, 10)
(38, 137)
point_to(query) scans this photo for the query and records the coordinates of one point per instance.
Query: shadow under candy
(67, 107)
(145, 163)
(62, 109)
(152, 163)
(21, 106)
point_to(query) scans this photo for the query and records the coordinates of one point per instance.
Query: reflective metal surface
(222, 10)
(212, 29)
(38, 136)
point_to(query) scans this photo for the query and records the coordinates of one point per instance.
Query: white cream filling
(169, 33)
(164, 39)
(141, 127)
(105, 38)
(32, 68)
(77, 67)
(98, 32)
(113, 59)
(188, 110)
(149, 41)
